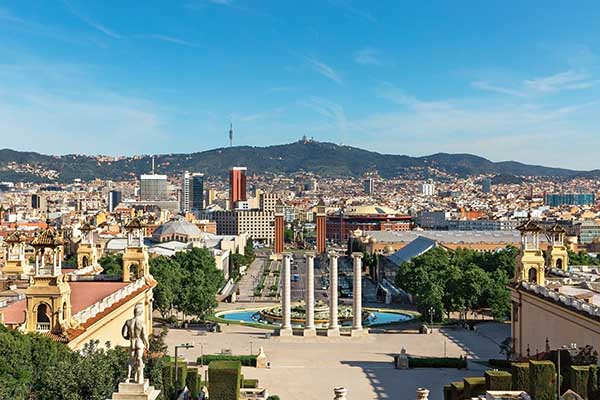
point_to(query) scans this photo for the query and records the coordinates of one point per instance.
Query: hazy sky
(502, 79)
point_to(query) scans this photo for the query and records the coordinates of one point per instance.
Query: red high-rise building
(279, 228)
(237, 185)
(321, 218)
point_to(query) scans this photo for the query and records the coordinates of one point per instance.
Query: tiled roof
(48, 237)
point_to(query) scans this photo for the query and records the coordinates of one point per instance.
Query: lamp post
(177, 347)
(571, 347)
(431, 311)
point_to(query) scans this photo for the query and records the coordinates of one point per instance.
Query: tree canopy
(445, 281)
(187, 282)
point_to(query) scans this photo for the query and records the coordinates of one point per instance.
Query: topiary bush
(474, 387)
(224, 380)
(542, 380)
(194, 382)
(498, 380)
(578, 379)
(520, 376)
(593, 383)
(447, 392)
(457, 390)
(169, 387)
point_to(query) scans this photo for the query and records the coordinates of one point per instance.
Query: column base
(358, 332)
(333, 332)
(309, 332)
(286, 332)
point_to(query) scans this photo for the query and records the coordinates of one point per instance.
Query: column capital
(310, 254)
(333, 254)
(287, 255)
(357, 254)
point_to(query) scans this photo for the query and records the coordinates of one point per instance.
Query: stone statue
(134, 330)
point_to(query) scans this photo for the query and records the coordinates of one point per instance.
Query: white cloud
(368, 56)
(90, 22)
(568, 80)
(323, 69)
(483, 85)
(332, 111)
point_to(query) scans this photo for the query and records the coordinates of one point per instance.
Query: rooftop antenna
(231, 135)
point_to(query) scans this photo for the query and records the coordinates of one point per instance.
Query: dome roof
(178, 226)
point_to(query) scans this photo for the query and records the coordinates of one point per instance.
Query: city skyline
(78, 77)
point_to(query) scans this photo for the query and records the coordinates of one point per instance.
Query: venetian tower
(135, 259)
(16, 262)
(87, 253)
(558, 257)
(48, 295)
(530, 262)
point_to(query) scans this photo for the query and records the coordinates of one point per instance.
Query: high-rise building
(197, 191)
(185, 194)
(210, 197)
(486, 185)
(153, 187)
(38, 202)
(237, 185)
(369, 186)
(114, 198)
(192, 191)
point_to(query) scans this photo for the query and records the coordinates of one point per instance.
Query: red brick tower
(279, 228)
(321, 218)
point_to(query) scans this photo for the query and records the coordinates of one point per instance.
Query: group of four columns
(309, 323)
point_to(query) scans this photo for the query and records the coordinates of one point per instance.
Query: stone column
(286, 297)
(422, 394)
(309, 300)
(357, 328)
(334, 329)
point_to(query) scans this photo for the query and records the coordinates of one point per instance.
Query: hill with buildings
(320, 158)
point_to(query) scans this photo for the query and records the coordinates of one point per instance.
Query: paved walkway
(251, 279)
(305, 369)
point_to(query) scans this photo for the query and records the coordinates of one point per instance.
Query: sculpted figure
(134, 330)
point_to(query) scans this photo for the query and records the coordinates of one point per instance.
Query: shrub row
(436, 362)
(246, 361)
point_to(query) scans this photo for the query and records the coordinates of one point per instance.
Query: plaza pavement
(305, 369)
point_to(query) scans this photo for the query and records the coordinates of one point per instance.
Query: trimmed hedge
(520, 376)
(193, 382)
(579, 377)
(498, 380)
(474, 387)
(169, 377)
(457, 390)
(542, 380)
(224, 380)
(246, 361)
(593, 383)
(250, 384)
(440, 362)
(500, 364)
(447, 392)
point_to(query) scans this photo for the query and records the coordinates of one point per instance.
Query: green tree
(112, 264)
(429, 298)
(168, 273)
(202, 282)
(288, 235)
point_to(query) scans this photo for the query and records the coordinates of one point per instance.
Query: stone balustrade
(568, 301)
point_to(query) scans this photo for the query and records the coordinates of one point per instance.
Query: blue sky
(508, 80)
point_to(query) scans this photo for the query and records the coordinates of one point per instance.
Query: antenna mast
(231, 135)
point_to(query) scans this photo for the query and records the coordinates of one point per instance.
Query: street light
(431, 311)
(571, 347)
(177, 347)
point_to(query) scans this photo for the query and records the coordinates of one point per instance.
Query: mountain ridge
(321, 158)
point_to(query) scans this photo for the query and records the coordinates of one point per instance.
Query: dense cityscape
(277, 200)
